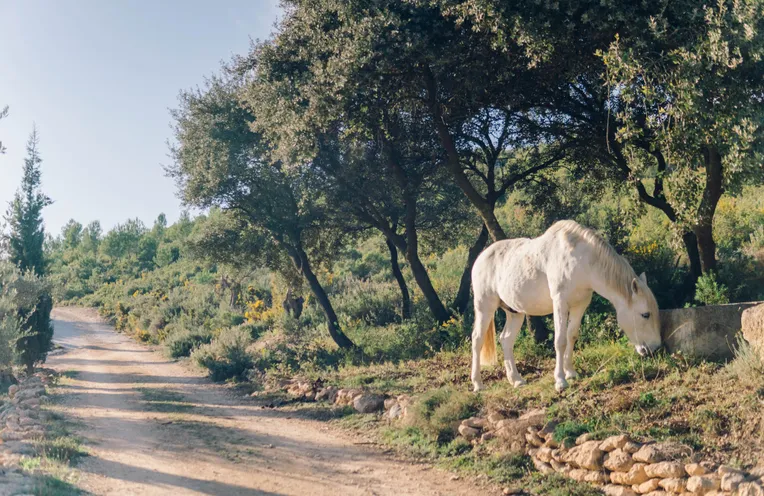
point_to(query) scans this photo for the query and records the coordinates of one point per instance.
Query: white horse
(556, 273)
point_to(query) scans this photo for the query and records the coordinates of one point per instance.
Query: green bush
(182, 343)
(438, 413)
(226, 357)
(709, 291)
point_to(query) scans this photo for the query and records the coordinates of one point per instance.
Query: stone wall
(619, 465)
(21, 426)
(752, 323)
(709, 332)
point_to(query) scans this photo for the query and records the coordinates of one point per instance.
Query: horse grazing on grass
(556, 273)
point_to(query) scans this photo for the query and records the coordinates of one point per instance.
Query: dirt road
(153, 426)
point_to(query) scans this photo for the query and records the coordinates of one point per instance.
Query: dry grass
(714, 409)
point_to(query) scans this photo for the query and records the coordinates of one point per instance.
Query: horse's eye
(646, 315)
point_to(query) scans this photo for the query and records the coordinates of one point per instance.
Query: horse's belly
(531, 297)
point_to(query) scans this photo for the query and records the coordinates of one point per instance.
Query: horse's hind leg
(484, 313)
(507, 339)
(576, 313)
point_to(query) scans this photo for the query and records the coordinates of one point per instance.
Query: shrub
(182, 343)
(226, 356)
(748, 365)
(709, 291)
(438, 413)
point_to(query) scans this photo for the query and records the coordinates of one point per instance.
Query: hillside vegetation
(352, 167)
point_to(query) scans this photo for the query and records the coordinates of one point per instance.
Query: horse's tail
(488, 351)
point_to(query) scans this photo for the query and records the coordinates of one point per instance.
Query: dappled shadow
(140, 475)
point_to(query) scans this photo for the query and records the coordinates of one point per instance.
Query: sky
(97, 78)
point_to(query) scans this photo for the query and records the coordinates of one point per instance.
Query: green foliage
(438, 412)
(25, 240)
(226, 357)
(24, 316)
(709, 291)
(183, 342)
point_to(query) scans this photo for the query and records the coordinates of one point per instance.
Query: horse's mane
(616, 269)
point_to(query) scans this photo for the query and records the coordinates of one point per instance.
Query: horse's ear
(643, 277)
(634, 286)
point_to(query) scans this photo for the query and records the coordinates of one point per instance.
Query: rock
(613, 443)
(579, 474)
(534, 417)
(646, 487)
(654, 453)
(368, 403)
(495, 417)
(542, 467)
(395, 412)
(560, 468)
(547, 431)
(12, 390)
(631, 447)
(390, 402)
(597, 478)
(665, 470)
(487, 436)
(544, 454)
(750, 489)
(613, 490)
(702, 484)
(583, 438)
(475, 422)
(657, 493)
(757, 472)
(635, 475)
(695, 469)
(674, 485)
(468, 433)
(727, 469)
(731, 481)
(752, 327)
(534, 440)
(588, 456)
(618, 461)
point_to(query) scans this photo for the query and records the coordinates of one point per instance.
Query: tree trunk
(422, 278)
(300, 259)
(704, 230)
(463, 294)
(396, 268)
(691, 247)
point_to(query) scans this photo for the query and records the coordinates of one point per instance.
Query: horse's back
(512, 270)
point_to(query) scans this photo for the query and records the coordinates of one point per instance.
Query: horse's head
(639, 318)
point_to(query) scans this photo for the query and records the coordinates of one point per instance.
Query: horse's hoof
(560, 385)
(571, 376)
(518, 382)
(476, 387)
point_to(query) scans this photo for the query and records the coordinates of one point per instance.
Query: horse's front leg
(574, 324)
(560, 342)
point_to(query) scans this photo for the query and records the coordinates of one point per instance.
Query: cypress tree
(25, 247)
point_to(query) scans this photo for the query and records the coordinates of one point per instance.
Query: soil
(152, 425)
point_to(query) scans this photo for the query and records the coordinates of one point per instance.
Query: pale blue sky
(98, 77)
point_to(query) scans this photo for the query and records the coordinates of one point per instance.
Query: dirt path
(152, 426)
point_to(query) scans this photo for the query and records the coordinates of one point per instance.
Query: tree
(219, 161)
(24, 217)
(698, 107)
(323, 104)
(91, 237)
(71, 235)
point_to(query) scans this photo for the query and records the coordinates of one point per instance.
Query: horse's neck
(611, 290)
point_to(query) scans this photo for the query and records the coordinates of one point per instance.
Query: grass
(712, 408)
(164, 400)
(52, 465)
